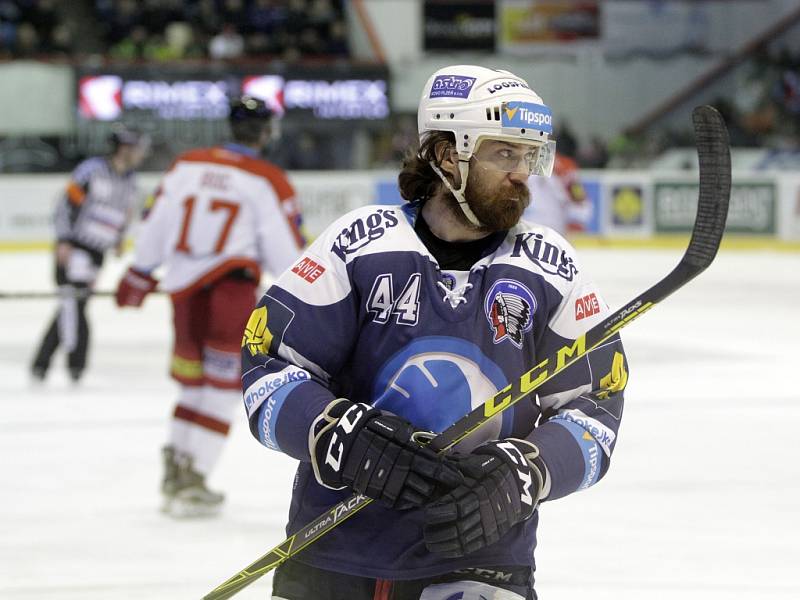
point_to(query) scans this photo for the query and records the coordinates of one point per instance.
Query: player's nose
(518, 176)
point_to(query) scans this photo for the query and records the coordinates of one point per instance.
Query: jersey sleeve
(279, 230)
(582, 405)
(296, 341)
(155, 229)
(71, 202)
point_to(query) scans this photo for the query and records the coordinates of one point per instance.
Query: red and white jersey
(216, 210)
(559, 202)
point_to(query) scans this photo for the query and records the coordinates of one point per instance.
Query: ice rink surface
(702, 500)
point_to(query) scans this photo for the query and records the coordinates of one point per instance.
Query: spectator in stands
(27, 41)
(42, 16)
(266, 16)
(158, 14)
(62, 40)
(337, 39)
(227, 44)
(321, 13)
(310, 43)
(258, 44)
(234, 12)
(296, 11)
(9, 12)
(132, 46)
(33, 27)
(8, 33)
(156, 49)
(122, 19)
(289, 29)
(179, 38)
(203, 16)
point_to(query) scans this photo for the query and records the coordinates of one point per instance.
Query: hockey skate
(184, 489)
(38, 374)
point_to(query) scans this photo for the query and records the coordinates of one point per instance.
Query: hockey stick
(51, 295)
(56, 294)
(712, 210)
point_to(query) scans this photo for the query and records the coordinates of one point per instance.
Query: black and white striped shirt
(97, 205)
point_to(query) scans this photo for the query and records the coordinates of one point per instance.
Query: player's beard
(499, 208)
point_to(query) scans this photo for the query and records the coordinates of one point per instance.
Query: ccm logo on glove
(374, 453)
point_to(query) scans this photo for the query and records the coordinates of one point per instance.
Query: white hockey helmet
(476, 103)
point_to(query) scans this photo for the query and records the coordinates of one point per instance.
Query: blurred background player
(91, 217)
(219, 217)
(560, 201)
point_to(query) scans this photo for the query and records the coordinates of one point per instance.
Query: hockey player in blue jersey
(399, 320)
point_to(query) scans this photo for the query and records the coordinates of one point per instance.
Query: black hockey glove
(504, 481)
(373, 452)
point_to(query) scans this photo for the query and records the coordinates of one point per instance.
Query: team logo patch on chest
(509, 307)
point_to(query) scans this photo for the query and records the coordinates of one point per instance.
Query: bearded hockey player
(400, 320)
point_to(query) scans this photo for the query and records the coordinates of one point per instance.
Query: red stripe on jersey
(205, 421)
(221, 384)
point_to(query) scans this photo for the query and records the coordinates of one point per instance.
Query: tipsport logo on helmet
(527, 114)
(451, 86)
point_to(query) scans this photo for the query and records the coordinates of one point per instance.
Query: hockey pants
(69, 329)
(297, 581)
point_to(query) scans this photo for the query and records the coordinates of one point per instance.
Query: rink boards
(640, 207)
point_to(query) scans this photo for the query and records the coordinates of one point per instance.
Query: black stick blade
(713, 152)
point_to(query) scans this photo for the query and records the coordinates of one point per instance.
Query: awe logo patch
(587, 306)
(509, 307)
(308, 269)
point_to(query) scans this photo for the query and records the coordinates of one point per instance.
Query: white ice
(701, 501)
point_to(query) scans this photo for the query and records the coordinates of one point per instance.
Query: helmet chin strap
(463, 168)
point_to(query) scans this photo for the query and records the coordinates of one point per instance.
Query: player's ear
(447, 157)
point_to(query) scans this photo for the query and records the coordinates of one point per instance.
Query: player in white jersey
(91, 217)
(402, 319)
(220, 216)
(559, 202)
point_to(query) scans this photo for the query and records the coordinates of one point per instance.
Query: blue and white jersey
(367, 314)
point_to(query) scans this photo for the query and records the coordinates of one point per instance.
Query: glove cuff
(141, 281)
(529, 452)
(324, 444)
(326, 421)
